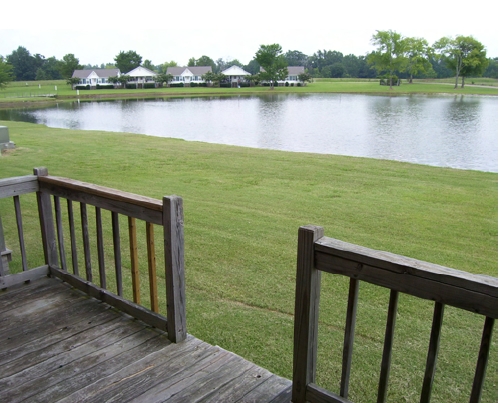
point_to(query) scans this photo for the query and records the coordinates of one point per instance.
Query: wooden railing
(64, 250)
(445, 286)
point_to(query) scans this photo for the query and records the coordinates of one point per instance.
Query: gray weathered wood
(431, 359)
(307, 297)
(483, 357)
(19, 278)
(17, 186)
(387, 347)
(117, 253)
(72, 235)
(20, 232)
(414, 277)
(100, 248)
(46, 222)
(348, 341)
(60, 232)
(173, 227)
(129, 204)
(86, 241)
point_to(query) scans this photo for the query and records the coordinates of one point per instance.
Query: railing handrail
(472, 292)
(445, 286)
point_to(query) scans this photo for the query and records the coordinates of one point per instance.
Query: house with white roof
(140, 76)
(236, 75)
(188, 75)
(293, 76)
(94, 77)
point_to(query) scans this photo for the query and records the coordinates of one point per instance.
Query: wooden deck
(59, 345)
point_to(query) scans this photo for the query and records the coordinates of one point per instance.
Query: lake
(449, 131)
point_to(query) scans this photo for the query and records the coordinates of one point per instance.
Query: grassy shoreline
(32, 94)
(243, 207)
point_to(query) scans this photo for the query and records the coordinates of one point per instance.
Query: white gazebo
(236, 75)
(140, 76)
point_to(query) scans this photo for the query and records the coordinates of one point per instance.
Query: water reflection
(458, 131)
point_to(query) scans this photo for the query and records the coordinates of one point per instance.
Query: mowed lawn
(243, 208)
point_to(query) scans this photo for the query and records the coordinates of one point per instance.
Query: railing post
(308, 280)
(173, 227)
(46, 222)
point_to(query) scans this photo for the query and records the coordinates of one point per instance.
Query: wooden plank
(12, 280)
(483, 357)
(60, 232)
(274, 390)
(72, 235)
(18, 185)
(20, 232)
(46, 222)
(129, 204)
(421, 279)
(21, 294)
(86, 241)
(348, 341)
(387, 347)
(173, 227)
(135, 310)
(431, 359)
(117, 253)
(100, 248)
(307, 296)
(134, 259)
(143, 374)
(151, 264)
(81, 379)
(316, 394)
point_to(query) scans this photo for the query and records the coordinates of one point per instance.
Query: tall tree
(296, 58)
(23, 63)
(389, 55)
(273, 63)
(463, 54)
(203, 61)
(49, 70)
(148, 65)
(68, 65)
(127, 61)
(6, 73)
(418, 54)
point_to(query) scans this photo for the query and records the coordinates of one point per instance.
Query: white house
(293, 76)
(188, 75)
(93, 77)
(141, 76)
(236, 75)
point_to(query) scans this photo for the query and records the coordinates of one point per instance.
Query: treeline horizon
(322, 64)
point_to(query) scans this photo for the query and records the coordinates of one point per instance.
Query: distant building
(140, 76)
(188, 75)
(293, 75)
(93, 77)
(236, 75)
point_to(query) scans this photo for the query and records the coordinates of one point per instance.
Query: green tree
(389, 57)
(68, 65)
(148, 65)
(464, 55)
(418, 54)
(49, 70)
(23, 63)
(305, 77)
(296, 58)
(202, 61)
(6, 73)
(214, 78)
(491, 70)
(164, 67)
(273, 63)
(121, 80)
(127, 61)
(162, 78)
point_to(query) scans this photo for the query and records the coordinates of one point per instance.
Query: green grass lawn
(243, 208)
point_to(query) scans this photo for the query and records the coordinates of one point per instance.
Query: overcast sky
(95, 32)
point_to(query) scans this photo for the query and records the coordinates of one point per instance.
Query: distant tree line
(405, 58)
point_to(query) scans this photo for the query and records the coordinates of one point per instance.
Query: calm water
(451, 131)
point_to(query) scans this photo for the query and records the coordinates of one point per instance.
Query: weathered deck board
(59, 345)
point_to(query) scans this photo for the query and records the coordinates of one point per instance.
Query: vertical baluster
(483, 357)
(86, 241)
(353, 294)
(117, 253)
(387, 348)
(20, 232)
(134, 259)
(3, 267)
(72, 235)
(60, 232)
(100, 247)
(151, 260)
(431, 359)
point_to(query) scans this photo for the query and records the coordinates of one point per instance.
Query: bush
(82, 87)
(149, 85)
(286, 84)
(105, 86)
(176, 85)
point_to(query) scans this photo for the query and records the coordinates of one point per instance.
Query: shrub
(82, 87)
(176, 85)
(149, 85)
(105, 86)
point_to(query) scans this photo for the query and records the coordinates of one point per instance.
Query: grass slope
(243, 207)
